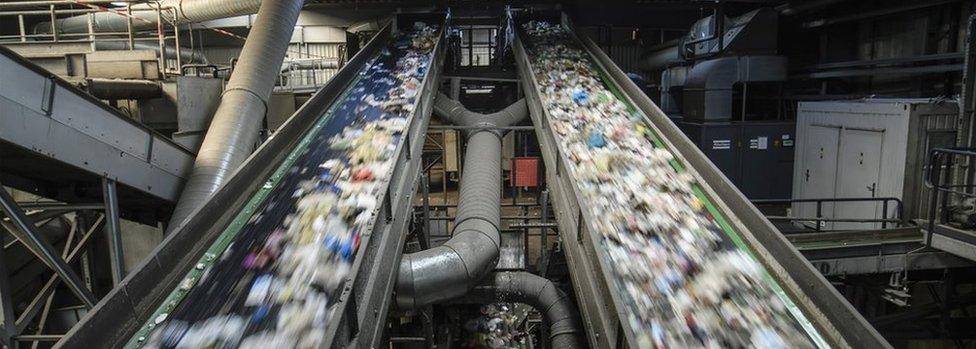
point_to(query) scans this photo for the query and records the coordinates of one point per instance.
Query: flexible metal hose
(522, 287)
(450, 270)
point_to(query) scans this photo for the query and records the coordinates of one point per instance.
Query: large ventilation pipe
(662, 58)
(662, 55)
(144, 15)
(449, 271)
(454, 112)
(233, 131)
(187, 55)
(521, 287)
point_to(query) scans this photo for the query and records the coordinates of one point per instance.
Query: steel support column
(38, 302)
(544, 219)
(425, 234)
(46, 311)
(113, 229)
(8, 328)
(24, 230)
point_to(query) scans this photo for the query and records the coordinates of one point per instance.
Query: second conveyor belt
(300, 247)
(663, 250)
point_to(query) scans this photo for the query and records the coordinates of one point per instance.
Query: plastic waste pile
(685, 284)
(273, 287)
(496, 328)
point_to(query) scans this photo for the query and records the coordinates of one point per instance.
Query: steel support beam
(40, 218)
(38, 302)
(873, 14)
(425, 234)
(39, 338)
(544, 242)
(57, 206)
(46, 311)
(8, 329)
(113, 229)
(481, 127)
(24, 230)
(924, 310)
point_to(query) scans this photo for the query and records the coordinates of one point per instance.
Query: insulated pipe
(233, 131)
(450, 270)
(662, 59)
(186, 54)
(521, 287)
(144, 15)
(310, 64)
(455, 113)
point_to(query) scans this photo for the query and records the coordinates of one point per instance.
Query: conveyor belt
(612, 315)
(323, 164)
(52, 132)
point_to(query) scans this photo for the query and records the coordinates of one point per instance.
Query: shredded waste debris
(684, 284)
(498, 327)
(274, 286)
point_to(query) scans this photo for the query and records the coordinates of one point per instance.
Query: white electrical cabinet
(870, 148)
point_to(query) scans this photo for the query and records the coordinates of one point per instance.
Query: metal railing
(896, 219)
(131, 36)
(945, 182)
(22, 220)
(309, 71)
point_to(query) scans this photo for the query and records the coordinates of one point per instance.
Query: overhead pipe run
(144, 17)
(449, 271)
(542, 294)
(459, 266)
(186, 54)
(663, 58)
(311, 64)
(233, 132)
(454, 112)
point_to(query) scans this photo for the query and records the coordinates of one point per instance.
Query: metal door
(859, 172)
(819, 171)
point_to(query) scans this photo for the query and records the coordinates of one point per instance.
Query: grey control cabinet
(867, 148)
(756, 156)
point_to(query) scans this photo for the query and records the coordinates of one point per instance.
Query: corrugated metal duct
(448, 271)
(144, 15)
(233, 133)
(521, 287)
(454, 269)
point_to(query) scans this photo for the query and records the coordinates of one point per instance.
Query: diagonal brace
(23, 230)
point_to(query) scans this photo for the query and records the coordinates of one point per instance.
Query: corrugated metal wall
(627, 57)
(937, 128)
(893, 37)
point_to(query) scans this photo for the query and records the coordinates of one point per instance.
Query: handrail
(940, 166)
(899, 218)
(158, 33)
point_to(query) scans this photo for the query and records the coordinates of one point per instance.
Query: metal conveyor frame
(836, 320)
(46, 115)
(365, 298)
